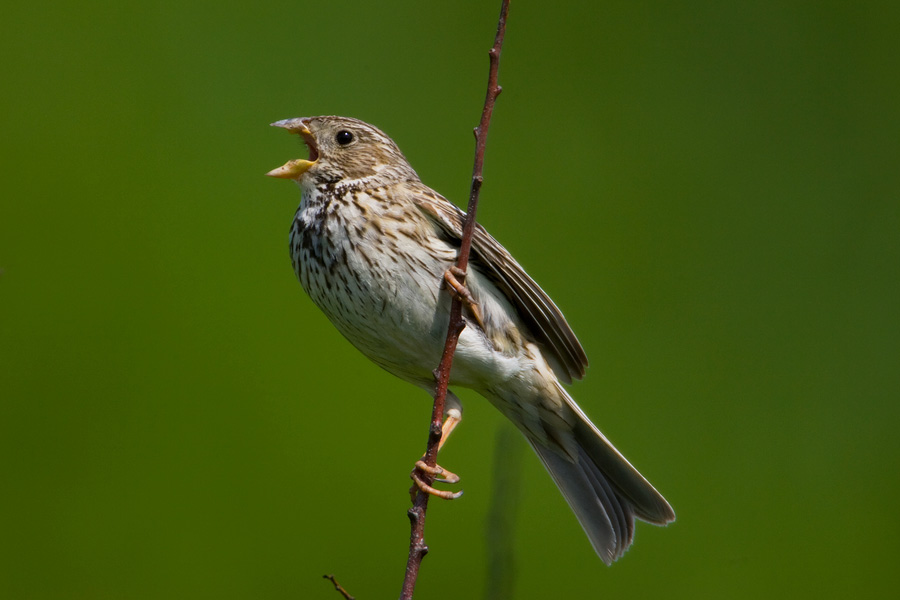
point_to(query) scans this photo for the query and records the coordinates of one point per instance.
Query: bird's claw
(455, 278)
(439, 474)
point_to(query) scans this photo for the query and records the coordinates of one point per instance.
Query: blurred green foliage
(709, 190)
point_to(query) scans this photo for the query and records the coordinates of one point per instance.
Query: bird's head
(342, 149)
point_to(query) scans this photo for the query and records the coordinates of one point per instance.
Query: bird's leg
(453, 419)
(439, 473)
(455, 278)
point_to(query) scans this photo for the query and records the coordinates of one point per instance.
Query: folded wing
(543, 317)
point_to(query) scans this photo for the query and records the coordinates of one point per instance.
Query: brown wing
(546, 321)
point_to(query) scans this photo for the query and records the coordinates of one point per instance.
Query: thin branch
(338, 587)
(417, 547)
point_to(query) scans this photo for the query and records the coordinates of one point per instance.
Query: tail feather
(605, 518)
(604, 491)
(620, 508)
(648, 504)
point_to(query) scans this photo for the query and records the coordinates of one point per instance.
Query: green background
(709, 190)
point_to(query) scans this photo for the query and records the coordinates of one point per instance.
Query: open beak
(294, 169)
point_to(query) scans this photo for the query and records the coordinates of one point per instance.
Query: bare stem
(417, 547)
(338, 587)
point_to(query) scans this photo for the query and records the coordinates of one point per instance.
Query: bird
(375, 249)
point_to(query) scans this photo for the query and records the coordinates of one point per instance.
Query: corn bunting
(373, 247)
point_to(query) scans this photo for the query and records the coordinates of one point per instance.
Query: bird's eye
(344, 137)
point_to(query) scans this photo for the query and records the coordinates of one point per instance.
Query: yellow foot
(455, 278)
(440, 474)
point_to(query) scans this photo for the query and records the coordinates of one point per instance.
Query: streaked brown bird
(374, 248)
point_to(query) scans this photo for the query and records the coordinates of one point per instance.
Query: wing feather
(546, 321)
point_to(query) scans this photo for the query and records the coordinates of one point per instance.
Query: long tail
(604, 491)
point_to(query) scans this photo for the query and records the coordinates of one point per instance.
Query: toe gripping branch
(455, 278)
(439, 474)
